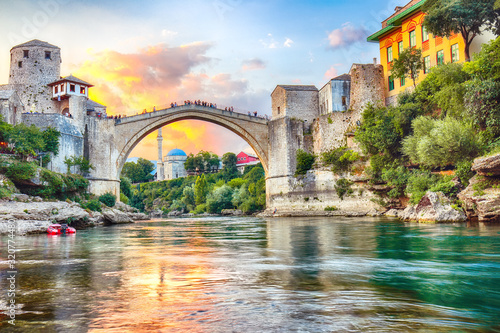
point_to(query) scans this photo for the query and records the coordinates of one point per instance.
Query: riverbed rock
(174, 213)
(231, 212)
(481, 199)
(433, 207)
(487, 166)
(115, 216)
(157, 213)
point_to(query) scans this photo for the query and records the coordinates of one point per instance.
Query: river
(258, 275)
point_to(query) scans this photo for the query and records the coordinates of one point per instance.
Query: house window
(454, 53)
(391, 83)
(389, 54)
(47, 55)
(20, 64)
(413, 38)
(440, 57)
(278, 110)
(427, 64)
(425, 34)
(72, 87)
(56, 89)
(82, 90)
(26, 53)
(344, 100)
(400, 47)
(62, 88)
(402, 81)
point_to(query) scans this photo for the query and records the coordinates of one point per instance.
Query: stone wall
(11, 107)
(300, 102)
(71, 140)
(367, 86)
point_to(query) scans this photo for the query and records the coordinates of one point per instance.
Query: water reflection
(253, 275)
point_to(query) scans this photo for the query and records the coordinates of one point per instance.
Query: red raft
(60, 229)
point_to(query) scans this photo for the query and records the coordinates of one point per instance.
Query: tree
(126, 187)
(51, 140)
(305, 162)
(408, 64)
(27, 140)
(467, 17)
(200, 190)
(139, 172)
(81, 162)
(229, 170)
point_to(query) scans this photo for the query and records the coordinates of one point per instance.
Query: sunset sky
(141, 54)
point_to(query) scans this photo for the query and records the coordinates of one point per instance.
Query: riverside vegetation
(428, 141)
(208, 191)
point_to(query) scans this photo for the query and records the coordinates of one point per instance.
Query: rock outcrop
(433, 207)
(231, 212)
(487, 166)
(32, 215)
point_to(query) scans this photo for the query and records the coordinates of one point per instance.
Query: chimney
(375, 61)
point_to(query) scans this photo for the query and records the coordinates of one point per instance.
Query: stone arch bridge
(108, 142)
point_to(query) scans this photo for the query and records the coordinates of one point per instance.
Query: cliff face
(481, 199)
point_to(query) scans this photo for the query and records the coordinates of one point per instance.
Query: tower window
(47, 55)
(278, 110)
(26, 53)
(82, 90)
(72, 87)
(20, 64)
(344, 100)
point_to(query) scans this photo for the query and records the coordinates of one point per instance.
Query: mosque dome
(176, 152)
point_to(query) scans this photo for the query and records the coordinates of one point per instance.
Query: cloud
(346, 35)
(288, 42)
(252, 64)
(271, 43)
(168, 33)
(331, 73)
(157, 75)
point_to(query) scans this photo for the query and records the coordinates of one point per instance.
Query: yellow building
(404, 29)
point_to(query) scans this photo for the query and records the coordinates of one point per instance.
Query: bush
(419, 182)
(464, 172)
(343, 187)
(20, 172)
(123, 198)
(438, 143)
(340, 159)
(305, 162)
(108, 199)
(93, 205)
(331, 209)
(397, 178)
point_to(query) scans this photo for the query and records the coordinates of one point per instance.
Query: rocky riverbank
(33, 215)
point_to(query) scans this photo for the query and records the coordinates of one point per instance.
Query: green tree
(5, 129)
(408, 64)
(27, 140)
(469, 18)
(188, 197)
(229, 170)
(200, 190)
(51, 140)
(220, 198)
(126, 187)
(139, 172)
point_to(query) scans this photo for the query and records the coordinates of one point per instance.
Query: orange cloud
(156, 76)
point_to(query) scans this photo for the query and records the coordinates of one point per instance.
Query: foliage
(219, 199)
(51, 140)
(469, 18)
(438, 143)
(340, 159)
(19, 172)
(486, 63)
(83, 165)
(229, 169)
(203, 162)
(93, 205)
(482, 104)
(305, 162)
(125, 187)
(418, 184)
(443, 88)
(331, 209)
(123, 198)
(108, 199)
(200, 190)
(397, 178)
(464, 172)
(343, 187)
(5, 129)
(408, 64)
(139, 172)
(27, 140)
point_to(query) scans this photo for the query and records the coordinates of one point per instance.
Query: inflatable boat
(60, 229)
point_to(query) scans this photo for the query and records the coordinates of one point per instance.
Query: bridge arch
(131, 130)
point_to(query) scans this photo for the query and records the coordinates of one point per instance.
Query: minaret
(160, 173)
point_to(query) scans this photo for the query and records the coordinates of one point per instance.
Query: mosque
(172, 166)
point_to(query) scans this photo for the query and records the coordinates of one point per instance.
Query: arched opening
(152, 125)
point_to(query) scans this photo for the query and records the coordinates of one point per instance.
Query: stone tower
(33, 65)
(160, 173)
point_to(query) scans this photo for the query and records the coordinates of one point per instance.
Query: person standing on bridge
(154, 108)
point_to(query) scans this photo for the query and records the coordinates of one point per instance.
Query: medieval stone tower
(33, 65)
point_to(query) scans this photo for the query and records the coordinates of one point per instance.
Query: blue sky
(231, 52)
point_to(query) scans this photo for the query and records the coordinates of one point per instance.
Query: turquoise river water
(257, 275)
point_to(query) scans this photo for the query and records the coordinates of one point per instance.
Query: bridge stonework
(110, 141)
